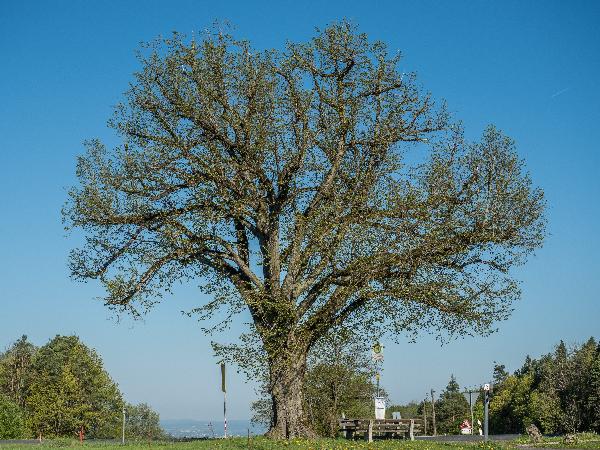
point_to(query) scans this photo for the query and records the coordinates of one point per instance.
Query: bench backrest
(359, 425)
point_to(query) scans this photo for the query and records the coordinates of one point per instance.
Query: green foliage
(12, 424)
(15, 366)
(284, 180)
(339, 380)
(558, 393)
(333, 390)
(593, 402)
(511, 408)
(500, 374)
(411, 410)
(56, 390)
(451, 409)
(70, 389)
(142, 422)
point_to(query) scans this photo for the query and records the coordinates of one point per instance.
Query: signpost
(377, 356)
(471, 392)
(223, 388)
(486, 402)
(433, 412)
(379, 408)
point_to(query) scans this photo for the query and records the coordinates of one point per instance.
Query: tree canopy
(558, 393)
(143, 422)
(451, 409)
(314, 187)
(15, 364)
(70, 389)
(12, 423)
(59, 388)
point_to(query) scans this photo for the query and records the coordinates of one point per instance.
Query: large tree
(143, 422)
(451, 409)
(340, 379)
(315, 187)
(69, 389)
(15, 365)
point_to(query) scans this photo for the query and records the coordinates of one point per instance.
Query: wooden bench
(381, 428)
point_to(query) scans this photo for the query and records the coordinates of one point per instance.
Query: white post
(225, 412)
(471, 406)
(123, 435)
(224, 390)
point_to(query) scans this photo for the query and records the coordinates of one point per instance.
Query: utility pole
(433, 412)
(123, 435)
(471, 408)
(425, 416)
(471, 392)
(486, 402)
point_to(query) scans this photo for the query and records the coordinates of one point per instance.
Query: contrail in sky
(562, 91)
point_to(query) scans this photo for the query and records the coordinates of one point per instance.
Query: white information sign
(379, 408)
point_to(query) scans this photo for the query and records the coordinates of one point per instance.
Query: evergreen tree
(593, 401)
(558, 393)
(451, 409)
(500, 374)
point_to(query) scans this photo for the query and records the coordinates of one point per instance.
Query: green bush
(12, 425)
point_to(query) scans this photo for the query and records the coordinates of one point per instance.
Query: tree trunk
(289, 418)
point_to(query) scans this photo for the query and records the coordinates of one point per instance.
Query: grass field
(584, 441)
(260, 443)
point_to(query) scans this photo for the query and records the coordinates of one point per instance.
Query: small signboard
(486, 387)
(379, 408)
(465, 427)
(377, 352)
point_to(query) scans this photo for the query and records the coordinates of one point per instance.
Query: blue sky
(531, 68)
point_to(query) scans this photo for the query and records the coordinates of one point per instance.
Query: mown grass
(582, 441)
(588, 441)
(260, 443)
